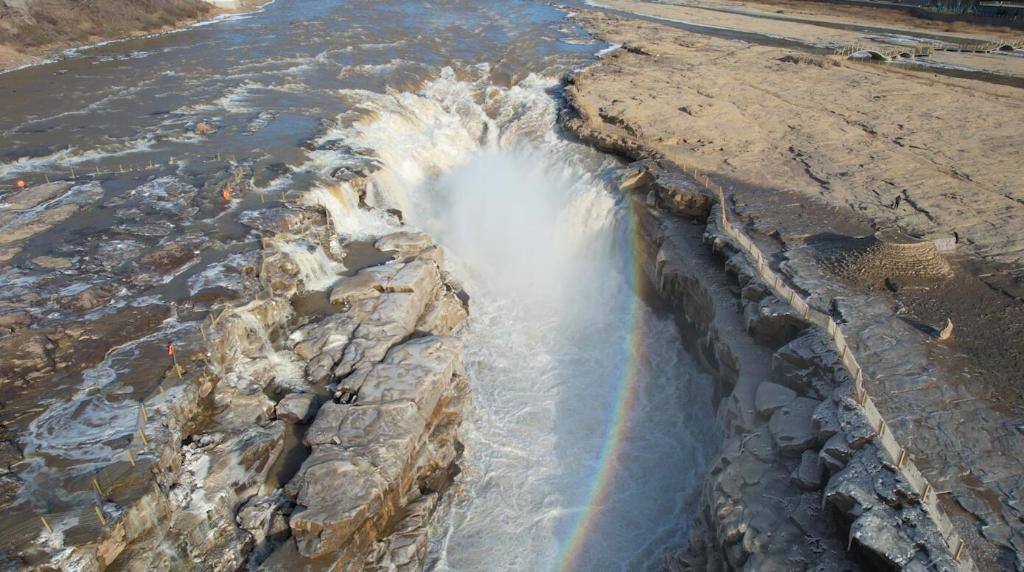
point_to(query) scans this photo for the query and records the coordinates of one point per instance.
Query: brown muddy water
(591, 425)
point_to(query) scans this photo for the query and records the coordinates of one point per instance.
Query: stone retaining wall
(896, 454)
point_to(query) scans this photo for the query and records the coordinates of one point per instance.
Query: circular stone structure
(888, 255)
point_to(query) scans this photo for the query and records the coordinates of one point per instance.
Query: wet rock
(677, 193)
(875, 532)
(265, 518)
(387, 302)
(216, 480)
(16, 320)
(209, 297)
(8, 253)
(92, 297)
(25, 228)
(403, 404)
(355, 167)
(204, 128)
(366, 284)
(35, 195)
(239, 410)
(297, 407)
(865, 482)
(771, 396)
(281, 220)
(444, 314)
(10, 484)
(406, 548)
(10, 454)
(168, 260)
(321, 345)
(85, 343)
(892, 531)
(280, 272)
(27, 357)
(243, 331)
(853, 421)
(111, 254)
(153, 208)
(405, 243)
(851, 490)
(791, 426)
(808, 474)
(52, 262)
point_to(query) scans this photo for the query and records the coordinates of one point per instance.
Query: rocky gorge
(365, 386)
(254, 349)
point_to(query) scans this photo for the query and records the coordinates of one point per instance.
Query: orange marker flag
(170, 350)
(226, 195)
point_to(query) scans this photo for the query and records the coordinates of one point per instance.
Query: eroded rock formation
(286, 437)
(801, 482)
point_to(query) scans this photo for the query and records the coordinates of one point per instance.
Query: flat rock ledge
(298, 439)
(801, 482)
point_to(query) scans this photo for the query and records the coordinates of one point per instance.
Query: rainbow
(617, 433)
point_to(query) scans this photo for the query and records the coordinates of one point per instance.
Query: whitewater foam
(556, 338)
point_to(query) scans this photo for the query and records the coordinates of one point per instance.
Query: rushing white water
(346, 218)
(316, 270)
(557, 342)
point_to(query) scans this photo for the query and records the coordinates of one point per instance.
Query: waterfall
(347, 220)
(590, 427)
(316, 270)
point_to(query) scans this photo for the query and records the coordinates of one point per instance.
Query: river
(591, 425)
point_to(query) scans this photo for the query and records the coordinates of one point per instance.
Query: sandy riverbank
(35, 32)
(817, 150)
(855, 135)
(812, 25)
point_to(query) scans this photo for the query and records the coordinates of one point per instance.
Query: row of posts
(899, 455)
(143, 418)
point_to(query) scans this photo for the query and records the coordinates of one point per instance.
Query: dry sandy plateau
(817, 152)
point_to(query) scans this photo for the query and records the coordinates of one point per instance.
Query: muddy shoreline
(41, 35)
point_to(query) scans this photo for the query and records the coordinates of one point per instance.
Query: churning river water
(591, 425)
